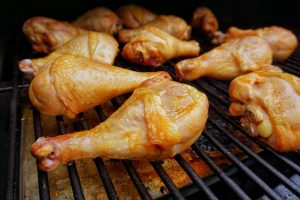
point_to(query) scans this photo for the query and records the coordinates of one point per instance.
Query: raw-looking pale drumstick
(70, 85)
(154, 47)
(133, 16)
(171, 24)
(205, 21)
(47, 35)
(158, 121)
(269, 106)
(282, 41)
(100, 19)
(231, 59)
(100, 47)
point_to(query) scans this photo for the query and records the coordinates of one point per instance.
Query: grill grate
(219, 121)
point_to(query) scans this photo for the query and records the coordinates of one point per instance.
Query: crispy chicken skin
(231, 59)
(70, 85)
(175, 26)
(282, 41)
(157, 122)
(269, 106)
(133, 16)
(205, 21)
(47, 35)
(153, 47)
(100, 47)
(100, 19)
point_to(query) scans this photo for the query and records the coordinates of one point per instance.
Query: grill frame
(13, 190)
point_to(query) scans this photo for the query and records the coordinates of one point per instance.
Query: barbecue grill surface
(224, 162)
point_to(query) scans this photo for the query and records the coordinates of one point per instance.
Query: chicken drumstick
(133, 16)
(70, 85)
(99, 19)
(232, 59)
(173, 25)
(47, 35)
(100, 47)
(157, 122)
(153, 47)
(269, 106)
(282, 41)
(205, 21)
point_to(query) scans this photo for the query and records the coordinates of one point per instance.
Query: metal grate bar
(8, 88)
(136, 180)
(293, 64)
(242, 167)
(295, 59)
(195, 178)
(44, 190)
(238, 191)
(219, 86)
(288, 69)
(3, 44)
(167, 180)
(212, 92)
(293, 187)
(108, 185)
(293, 67)
(110, 190)
(12, 188)
(72, 170)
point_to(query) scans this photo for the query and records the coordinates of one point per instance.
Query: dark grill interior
(255, 170)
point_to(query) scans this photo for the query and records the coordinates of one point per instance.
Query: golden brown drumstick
(47, 35)
(269, 106)
(232, 59)
(282, 41)
(173, 25)
(154, 47)
(101, 47)
(70, 85)
(100, 19)
(205, 21)
(133, 16)
(157, 122)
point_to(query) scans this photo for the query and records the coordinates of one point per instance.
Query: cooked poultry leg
(70, 85)
(47, 35)
(101, 47)
(154, 47)
(227, 61)
(100, 19)
(173, 25)
(157, 122)
(269, 106)
(282, 41)
(205, 21)
(133, 16)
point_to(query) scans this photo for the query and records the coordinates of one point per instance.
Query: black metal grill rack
(284, 167)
